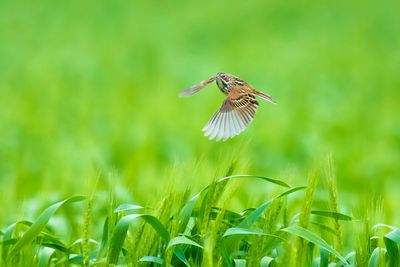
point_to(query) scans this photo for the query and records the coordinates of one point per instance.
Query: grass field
(89, 107)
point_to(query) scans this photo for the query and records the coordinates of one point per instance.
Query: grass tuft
(203, 230)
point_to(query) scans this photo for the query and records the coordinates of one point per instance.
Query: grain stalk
(301, 251)
(333, 201)
(86, 232)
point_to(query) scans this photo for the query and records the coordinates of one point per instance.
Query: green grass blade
(226, 257)
(324, 258)
(332, 214)
(181, 256)
(376, 255)
(50, 241)
(382, 225)
(240, 262)
(186, 212)
(80, 241)
(313, 238)
(39, 224)
(8, 242)
(127, 207)
(44, 256)
(104, 238)
(324, 227)
(351, 258)
(120, 231)
(294, 189)
(271, 180)
(392, 251)
(394, 235)
(253, 216)
(183, 240)
(8, 233)
(243, 231)
(266, 261)
(77, 259)
(152, 259)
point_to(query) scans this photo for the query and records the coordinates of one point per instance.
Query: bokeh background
(89, 89)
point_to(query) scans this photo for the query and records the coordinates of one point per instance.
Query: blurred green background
(89, 87)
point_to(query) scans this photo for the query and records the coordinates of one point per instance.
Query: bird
(237, 110)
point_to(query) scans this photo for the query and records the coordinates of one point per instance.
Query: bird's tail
(265, 96)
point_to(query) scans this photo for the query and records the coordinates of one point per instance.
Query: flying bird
(237, 110)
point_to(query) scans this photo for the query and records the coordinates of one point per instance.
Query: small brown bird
(237, 110)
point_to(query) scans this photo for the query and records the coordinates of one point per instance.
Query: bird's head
(224, 81)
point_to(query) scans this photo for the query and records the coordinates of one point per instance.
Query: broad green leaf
(332, 214)
(239, 254)
(104, 238)
(226, 257)
(351, 258)
(313, 238)
(39, 224)
(394, 235)
(240, 262)
(376, 255)
(186, 211)
(350, 255)
(120, 231)
(10, 229)
(382, 225)
(50, 241)
(54, 246)
(181, 256)
(152, 259)
(44, 256)
(266, 261)
(391, 240)
(8, 242)
(324, 258)
(8, 233)
(392, 251)
(182, 240)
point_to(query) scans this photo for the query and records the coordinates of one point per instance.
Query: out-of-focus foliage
(89, 89)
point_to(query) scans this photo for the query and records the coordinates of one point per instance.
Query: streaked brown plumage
(237, 110)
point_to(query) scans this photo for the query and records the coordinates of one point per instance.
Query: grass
(89, 107)
(202, 231)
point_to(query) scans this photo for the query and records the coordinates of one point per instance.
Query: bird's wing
(194, 89)
(235, 114)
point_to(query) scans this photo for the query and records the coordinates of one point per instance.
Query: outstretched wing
(235, 114)
(194, 89)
